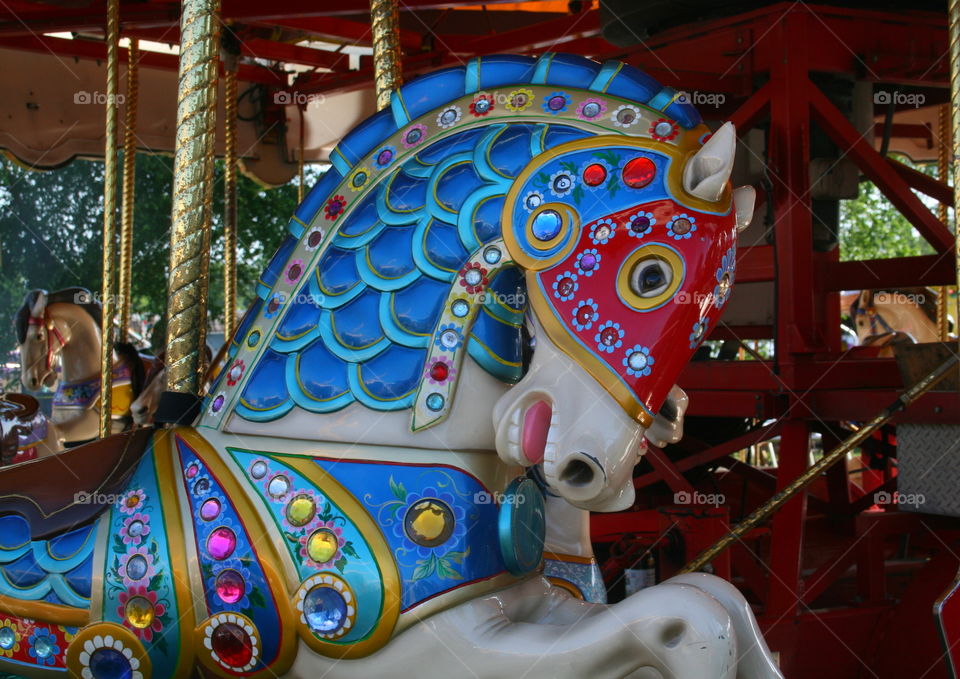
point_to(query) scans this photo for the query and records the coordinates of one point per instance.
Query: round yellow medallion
(429, 523)
(139, 612)
(322, 545)
(300, 510)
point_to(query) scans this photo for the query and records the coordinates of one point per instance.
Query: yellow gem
(300, 510)
(322, 545)
(139, 612)
(430, 520)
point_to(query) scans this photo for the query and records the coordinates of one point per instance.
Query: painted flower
(473, 277)
(334, 207)
(591, 109)
(8, 631)
(140, 611)
(556, 103)
(698, 332)
(384, 156)
(609, 337)
(481, 105)
(638, 361)
(532, 200)
(449, 117)
(724, 276)
(663, 129)
(414, 135)
(43, 646)
(358, 179)
(141, 529)
(681, 226)
(330, 527)
(294, 271)
(449, 337)
(640, 224)
(218, 401)
(625, 116)
(440, 371)
(585, 314)
(565, 286)
(602, 231)
(451, 519)
(236, 372)
(133, 501)
(313, 239)
(561, 183)
(587, 262)
(274, 305)
(142, 569)
(519, 100)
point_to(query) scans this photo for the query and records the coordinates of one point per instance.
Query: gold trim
(47, 612)
(106, 629)
(569, 222)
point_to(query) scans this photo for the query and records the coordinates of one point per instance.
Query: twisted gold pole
(943, 213)
(230, 202)
(954, 19)
(109, 219)
(126, 207)
(385, 27)
(300, 191)
(764, 511)
(192, 196)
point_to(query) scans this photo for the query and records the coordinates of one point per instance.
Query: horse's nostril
(669, 410)
(672, 634)
(577, 473)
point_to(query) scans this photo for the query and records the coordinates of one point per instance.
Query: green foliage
(51, 233)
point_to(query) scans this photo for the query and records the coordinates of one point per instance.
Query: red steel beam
(924, 183)
(876, 274)
(545, 36)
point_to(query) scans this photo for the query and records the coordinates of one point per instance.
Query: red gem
(585, 314)
(594, 175)
(313, 240)
(639, 172)
(609, 336)
(565, 286)
(294, 272)
(232, 644)
(439, 371)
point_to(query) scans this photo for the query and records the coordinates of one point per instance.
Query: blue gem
(42, 646)
(136, 567)
(491, 255)
(253, 338)
(460, 308)
(7, 638)
(546, 225)
(324, 609)
(435, 402)
(107, 663)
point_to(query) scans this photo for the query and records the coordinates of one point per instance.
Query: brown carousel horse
(63, 328)
(883, 319)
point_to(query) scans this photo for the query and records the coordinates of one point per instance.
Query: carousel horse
(884, 319)
(63, 328)
(477, 316)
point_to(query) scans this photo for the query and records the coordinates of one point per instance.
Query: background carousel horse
(362, 494)
(64, 327)
(883, 319)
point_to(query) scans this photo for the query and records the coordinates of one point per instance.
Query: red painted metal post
(787, 539)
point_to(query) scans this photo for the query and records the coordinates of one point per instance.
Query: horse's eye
(39, 336)
(651, 277)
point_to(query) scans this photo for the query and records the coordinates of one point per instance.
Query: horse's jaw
(561, 417)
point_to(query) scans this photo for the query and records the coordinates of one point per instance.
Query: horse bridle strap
(51, 327)
(874, 317)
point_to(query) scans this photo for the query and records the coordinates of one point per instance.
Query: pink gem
(210, 510)
(230, 586)
(221, 543)
(192, 471)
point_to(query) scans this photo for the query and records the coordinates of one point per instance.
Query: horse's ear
(39, 303)
(708, 171)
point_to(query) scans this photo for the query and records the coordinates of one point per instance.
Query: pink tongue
(536, 426)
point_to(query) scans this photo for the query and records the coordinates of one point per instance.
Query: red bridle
(44, 321)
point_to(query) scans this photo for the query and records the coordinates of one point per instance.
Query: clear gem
(473, 277)
(448, 117)
(136, 567)
(135, 528)
(449, 338)
(259, 469)
(637, 360)
(230, 586)
(210, 509)
(460, 308)
(565, 286)
(109, 663)
(491, 255)
(435, 402)
(221, 543)
(7, 638)
(602, 233)
(414, 135)
(562, 183)
(279, 486)
(534, 200)
(324, 609)
(42, 646)
(591, 110)
(481, 105)
(547, 225)
(663, 129)
(201, 486)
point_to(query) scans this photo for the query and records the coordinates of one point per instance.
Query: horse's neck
(80, 356)
(911, 319)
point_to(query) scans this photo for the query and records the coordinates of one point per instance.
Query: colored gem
(253, 338)
(448, 117)
(680, 226)
(313, 240)
(429, 523)
(562, 183)
(640, 223)
(201, 486)
(435, 402)
(609, 336)
(602, 233)
(584, 315)
(278, 486)
(7, 638)
(626, 116)
(460, 308)
(588, 261)
(725, 284)
(259, 469)
(192, 471)
(300, 510)
(385, 157)
(591, 110)
(546, 225)
(42, 646)
(594, 175)
(273, 305)
(698, 333)
(218, 403)
(210, 509)
(637, 360)
(473, 277)
(359, 178)
(139, 612)
(449, 338)
(109, 663)
(491, 255)
(324, 609)
(232, 644)
(556, 103)
(136, 567)
(534, 200)
(230, 586)
(221, 543)
(639, 172)
(293, 273)
(439, 371)
(322, 545)
(565, 286)
(413, 136)
(135, 528)
(663, 129)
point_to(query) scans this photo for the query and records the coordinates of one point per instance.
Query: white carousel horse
(363, 492)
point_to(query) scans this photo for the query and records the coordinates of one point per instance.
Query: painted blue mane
(360, 328)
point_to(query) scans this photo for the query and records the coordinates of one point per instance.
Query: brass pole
(954, 19)
(300, 191)
(798, 484)
(109, 220)
(230, 200)
(192, 203)
(943, 213)
(385, 27)
(129, 166)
